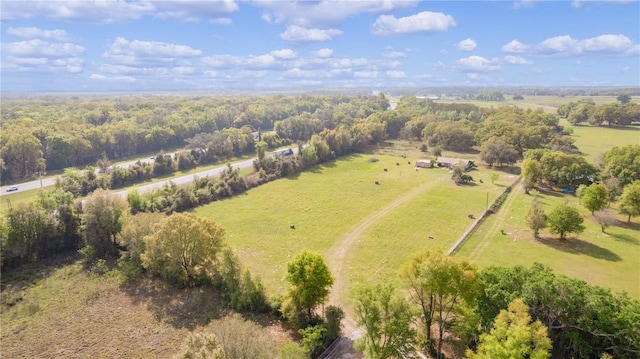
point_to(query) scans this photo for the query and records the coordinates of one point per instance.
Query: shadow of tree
(579, 246)
(623, 237)
(181, 308)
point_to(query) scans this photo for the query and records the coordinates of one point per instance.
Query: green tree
(493, 177)
(443, 287)
(630, 200)
(243, 339)
(103, 215)
(622, 163)
(624, 98)
(531, 173)
(183, 249)
(498, 152)
(310, 279)
(387, 320)
(594, 197)
(22, 155)
(565, 219)
(514, 336)
(131, 239)
(536, 218)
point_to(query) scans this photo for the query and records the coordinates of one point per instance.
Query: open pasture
(364, 230)
(549, 104)
(593, 141)
(606, 259)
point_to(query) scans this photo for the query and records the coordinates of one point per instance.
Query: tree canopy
(564, 219)
(310, 279)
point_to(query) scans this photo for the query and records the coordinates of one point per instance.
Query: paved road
(50, 181)
(144, 188)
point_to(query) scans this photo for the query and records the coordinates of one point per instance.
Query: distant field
(547, 103)
(330, 203)
(594, 141)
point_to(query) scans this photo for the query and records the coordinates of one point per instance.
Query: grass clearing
(328, 202)
(594, 141)
(607, 259)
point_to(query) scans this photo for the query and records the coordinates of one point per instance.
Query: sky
(143, 45)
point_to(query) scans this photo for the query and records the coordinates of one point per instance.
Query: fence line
(484, 214)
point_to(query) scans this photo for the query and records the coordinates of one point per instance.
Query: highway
(181, 180)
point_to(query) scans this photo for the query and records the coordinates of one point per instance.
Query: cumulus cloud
(150, 49)
(516, 60)
(36, 33)
(393, 54)
(604, 44)
(299, 35)
(515, 47)
(394, 74)
(365, 74)
(115, 11)
(99, 77)
(324, 12)
(466, 45)
(221, 21)
(286, 54)
(477, 64)
(425, 22)
(40, 48)
(323, 53)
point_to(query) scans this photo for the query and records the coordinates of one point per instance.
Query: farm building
(424, 163)
(450, 162)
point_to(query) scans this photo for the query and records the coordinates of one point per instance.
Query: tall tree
(446, 286)
(22, 155)
(594, 197)
(387, 320)
(103, 214)
(183, 249)
(622, 163)
(630, 200)
(310, 279)
(536, 218)
(565, 219)
(531, 173)
(514, 336)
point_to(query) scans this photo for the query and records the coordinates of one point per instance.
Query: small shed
(424, 163)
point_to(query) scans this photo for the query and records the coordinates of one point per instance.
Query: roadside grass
(328, 201)
(606, 259)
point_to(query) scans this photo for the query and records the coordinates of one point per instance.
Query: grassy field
(547, 103)
(332, 201)
(607, 259)
(594, 141)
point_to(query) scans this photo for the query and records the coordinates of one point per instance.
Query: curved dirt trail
(339, 253)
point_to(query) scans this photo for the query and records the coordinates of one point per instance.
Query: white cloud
(38, 48)
(285, 54)
(299, 73)
(477, 64)
(299, 35)
(116, 11)
(99, 11)
(324, 12)
(221, 21)
(581, 3)
(194, 10)
(150, 49)
(516, 60)
(606, 44)
(365, 74)
(253, 74)
(425, 22)
(394, 74)
(466, 45)
(36, 33)
(515, 47)
(393, 54)
(99, 77)
(323, 53)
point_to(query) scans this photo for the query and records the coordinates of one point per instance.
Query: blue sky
(106, 45)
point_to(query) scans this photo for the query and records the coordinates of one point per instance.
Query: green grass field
(333, 201)
(594, 141)
(607, 259)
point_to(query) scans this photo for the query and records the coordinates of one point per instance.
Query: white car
(12, 189)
